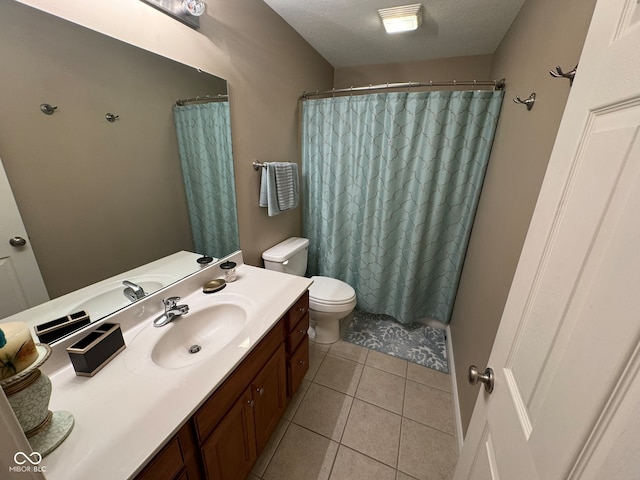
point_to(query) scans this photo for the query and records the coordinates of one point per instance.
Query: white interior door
(566, 402)
(21, 284)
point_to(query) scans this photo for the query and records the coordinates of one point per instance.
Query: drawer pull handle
(301, 331)
(302, 362)
(260, 391)
(251, 403)
(302, 309)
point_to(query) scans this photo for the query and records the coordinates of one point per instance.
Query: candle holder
(29, 392)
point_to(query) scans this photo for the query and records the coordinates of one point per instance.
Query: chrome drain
(194, 349)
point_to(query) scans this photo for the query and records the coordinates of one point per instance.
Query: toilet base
(324, 328)
(326, 333)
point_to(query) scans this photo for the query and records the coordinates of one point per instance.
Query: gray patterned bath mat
(416, 343)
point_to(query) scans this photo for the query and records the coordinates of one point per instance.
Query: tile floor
(361, 414)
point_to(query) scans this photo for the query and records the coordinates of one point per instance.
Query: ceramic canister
(31, 403)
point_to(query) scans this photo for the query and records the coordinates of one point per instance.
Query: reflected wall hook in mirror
(528, 102)
(111, 117)
(47, 109)
(560, 74)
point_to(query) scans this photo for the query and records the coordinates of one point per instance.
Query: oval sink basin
(197, 335)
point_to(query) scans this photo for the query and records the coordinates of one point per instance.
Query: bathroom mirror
(97, 176)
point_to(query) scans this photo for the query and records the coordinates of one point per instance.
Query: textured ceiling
(350, 32)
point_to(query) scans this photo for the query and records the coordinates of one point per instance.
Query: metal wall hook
(47, 109)
(111, 117)
(560, 74)
(528, 102)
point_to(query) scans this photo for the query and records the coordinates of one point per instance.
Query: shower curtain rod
(207, 98)
(496, 84)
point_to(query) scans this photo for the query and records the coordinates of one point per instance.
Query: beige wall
(267, 64)
(546, 33)
(475, 67)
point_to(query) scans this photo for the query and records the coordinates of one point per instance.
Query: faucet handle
(171, 302)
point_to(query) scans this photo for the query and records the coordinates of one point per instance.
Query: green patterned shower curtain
(391, 184)
(204, 144)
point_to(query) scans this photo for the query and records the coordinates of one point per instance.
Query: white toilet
(330, 300)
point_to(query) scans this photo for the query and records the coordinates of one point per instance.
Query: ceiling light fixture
(185, 11)
(193, 7)
(401, 19)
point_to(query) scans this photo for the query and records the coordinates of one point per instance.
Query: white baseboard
(457, 416)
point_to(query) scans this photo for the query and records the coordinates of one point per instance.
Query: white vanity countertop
(123, 417)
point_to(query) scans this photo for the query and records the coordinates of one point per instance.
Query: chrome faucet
(133, 291)
(171, 311)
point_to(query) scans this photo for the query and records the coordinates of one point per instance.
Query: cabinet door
(229, 452)
(269, 392)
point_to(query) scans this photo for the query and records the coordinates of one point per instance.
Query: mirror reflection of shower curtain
(391, 184)
(204, 143)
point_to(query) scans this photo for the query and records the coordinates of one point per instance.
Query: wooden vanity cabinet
(230, 450)
(297, 322)
(233, 425)
(269, 393)
(177, 460)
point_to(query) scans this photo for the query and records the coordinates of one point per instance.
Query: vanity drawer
(299, 309)
(297, 334)
(297, 366)
(166, 465)
(175, 460)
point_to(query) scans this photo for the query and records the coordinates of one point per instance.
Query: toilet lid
(330, 291)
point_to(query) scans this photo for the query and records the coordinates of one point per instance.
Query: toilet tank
(289, 256)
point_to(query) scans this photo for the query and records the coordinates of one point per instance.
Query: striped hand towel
(279, 187)
(286, 185)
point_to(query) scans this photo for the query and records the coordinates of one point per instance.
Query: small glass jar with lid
(228, 271)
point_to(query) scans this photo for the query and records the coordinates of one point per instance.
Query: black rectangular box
(96, 349)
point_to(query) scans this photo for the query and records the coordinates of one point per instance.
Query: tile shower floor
(361, 414)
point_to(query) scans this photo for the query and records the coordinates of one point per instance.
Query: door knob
(17, 242)
(487, 377)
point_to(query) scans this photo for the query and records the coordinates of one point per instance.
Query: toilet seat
(331, 295)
